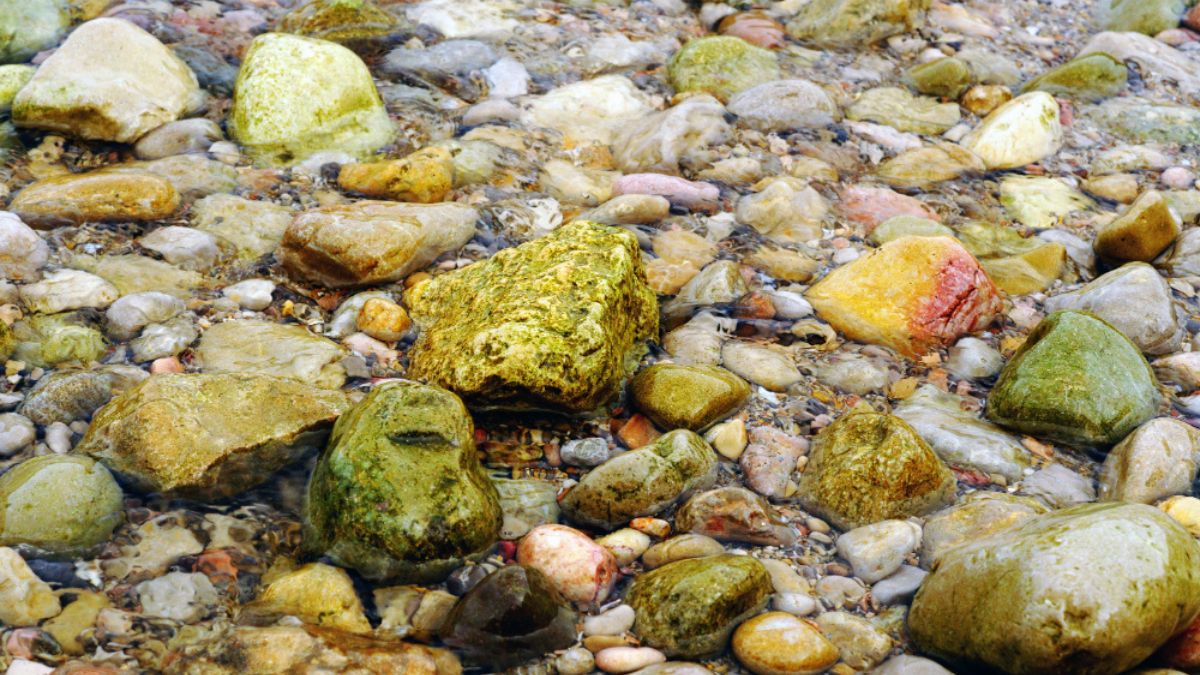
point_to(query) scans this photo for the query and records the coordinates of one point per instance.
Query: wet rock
(1149, 54)
(680, 136)
(281, 117)
(131, 313)
(593, 110)
(1122, 577)
(110, 81)
(1150, 17)
(425, 176)
(972, 358)
(1039, 201)
(1090, 77)
(315, 593)
(615, 621)
(1141, 120)
(1135, 300)
(526, 503)
(944, 78)
(689, 608)
(734, 514)
(161, 340)
(680, 192)
(357, 24)
(1147, 227)
(767, 466)
(209, 436)
(860, 643)
(1157, 460)
(903, 111)
(65, 290)
(1023, 131)
(1027, 272)
(642, 482)
(681, 547)
(66, 396)
(784, 105)
(975, 516)
(519, 352)
(926, 166)
(877, 550)
(80, 615)
(184, 247)
(252, 294)
(945, 295)
(1112, 389)
(16, 433)
(580, 569)
(873, 206)
(777, 643)
(511, 616)
(266, 348)
(575, 661)
(59, 505)
(178, 138)
(29, 27)
(910, 665)
(23, 252)
(843, 24)
(627, 659)
(899, 587)
(24, 599)
(868, 467)
(73, 199)
(254, 228)
(960, 437)
(688, 397)
(760, 365)
(178, 596)
(721, 66)
(784, 210)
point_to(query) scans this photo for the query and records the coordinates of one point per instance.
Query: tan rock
(73, 199)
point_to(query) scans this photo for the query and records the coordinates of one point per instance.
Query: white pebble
(798, 604)
(24, 667)
(1178, 178)
(615, 621)
(58, 438)
(252, 294)
(627, 659)
(16, 432)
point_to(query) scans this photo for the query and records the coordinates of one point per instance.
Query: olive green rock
(1076, 380)
(721, 66)
(1150, 17)
(1144, 121)
(1088, 590)
(12, 78)
(687, 397)
(399, 493)
(1090, 77)
(867, 467)
(642, 482)
(840, 24)
(62, 505)
(946, 78)
(207, 437)
(297, 96)
(29, 26)
(8, 342)
(900, 109)
(553, 323)
(689, 608)
(354, 23)
(1143, 231)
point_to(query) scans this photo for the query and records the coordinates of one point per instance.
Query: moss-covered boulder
(12, 78)
(687, 397)
(1090, 589)
(110, 81)
(59, 505)
(642, 482)
(689, 608)
(721, 66)
(1144, 230)
(944, 78)
(399, 494)
(209, 436)
(842, 24)
(1090, 77)
(553, 323)
(867, 467)
(29, 26)
(1076, 380)
(296, 96)
(511, 616)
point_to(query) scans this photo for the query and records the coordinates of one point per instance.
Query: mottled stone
(73, 199)
(1157, 460)
(777, 643)
(316, 593)
(903, 111)
(425, 176)
(845, 24)
(688, 397)
(1023, 131)
(945, 78)
(1090, 77)
(59, 505)
(266, 348)
(721, 66)
(734, 514)
(960, 437)
(1135, 300)
(975, 516)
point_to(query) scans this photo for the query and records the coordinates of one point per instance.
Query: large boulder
(110, 81)
(209, 436)
(1077, 380)
(550, 323)
(399, 493)
(1090, 589)
(297, 96)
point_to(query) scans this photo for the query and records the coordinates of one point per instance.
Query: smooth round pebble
(615, 621)
(777, 643)
(627, 659)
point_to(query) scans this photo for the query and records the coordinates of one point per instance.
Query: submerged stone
(29, 26)
(1143, 231)
(842, 24)
(61, 505)
(550, 323)
(355, 23)
(1136, 300)
(281, 350)
(944, 78)
(1023, 131)
(721, 66)
(689, 397)
(1090, 77)
(399, 494)
(960, 437)
(903, 111)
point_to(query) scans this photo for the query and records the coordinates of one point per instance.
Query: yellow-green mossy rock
(689, 608)
(29, 26)
(297, 96)
(688, 397)
(841, 24)
(721, 66)
(12, 78)
(945, 78)
(207, 437)
(1090, 77)
(355, 23)
(110, 81)
(1023, 131)
(1076, 380)
(62, 505)
(552, 323)
(8, 342)
(1093, 589)
(867, 467)
(642, 482)
(399, 493)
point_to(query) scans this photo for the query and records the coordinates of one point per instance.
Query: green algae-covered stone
(206, 437)
(1090, 77)
(721, 66)
(867, 467)
(355, 23)
(399, 494)
(642, 482)
(1092, 589)
(8, 342)
(841, 24)
(29, 26)
(688, 608)
(552, 323)
(1076, 380)
(947, 78)
(12, 78)
(513, 615)
(297, 96)
(687, 397)
(59, 504)
(1150, 17)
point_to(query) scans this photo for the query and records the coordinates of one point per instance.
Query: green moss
(1088, 78)
(721, 66)
(29, 26)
